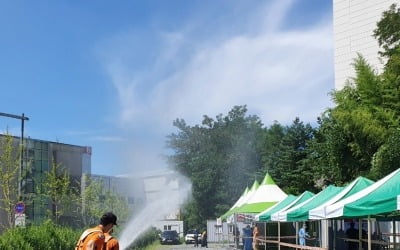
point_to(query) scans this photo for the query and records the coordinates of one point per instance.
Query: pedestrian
(248, 240)
(204, 242)
(352, 233)
(93, 238)
(256, 235)
(303, 235)
(196, 238)
(110, 242)
(236, 233)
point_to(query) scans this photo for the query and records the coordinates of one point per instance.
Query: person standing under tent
(303, 235)
(248, 240)
(256, 235)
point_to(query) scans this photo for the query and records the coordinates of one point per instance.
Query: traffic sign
(20, 220)
(19, 208)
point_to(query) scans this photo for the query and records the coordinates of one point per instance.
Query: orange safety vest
(85, 234)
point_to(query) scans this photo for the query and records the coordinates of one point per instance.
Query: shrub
(146, 239)
(46, 236)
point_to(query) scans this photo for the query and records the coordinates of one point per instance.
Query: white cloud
(278, 73)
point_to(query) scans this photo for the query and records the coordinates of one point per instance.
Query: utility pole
(23, 118)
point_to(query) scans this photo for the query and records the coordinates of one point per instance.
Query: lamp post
(23, 118)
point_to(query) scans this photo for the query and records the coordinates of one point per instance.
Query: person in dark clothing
(248, 238)
(196, 238)
(204, 242)
(352, 233)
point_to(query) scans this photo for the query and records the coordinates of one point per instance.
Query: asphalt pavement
(211, 246)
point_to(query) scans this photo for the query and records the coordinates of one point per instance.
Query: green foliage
(9, 167)
(387, 32)
(284, 152)
(47, 236)
(220, 157)
(97, 201)
(58, 189)
(146, 239)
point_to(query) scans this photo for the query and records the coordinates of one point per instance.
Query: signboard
(20, 220)
(19, 208)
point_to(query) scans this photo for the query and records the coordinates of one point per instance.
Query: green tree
(329, 154)
(294, 175)
(97, 200)
(58, 189)
(9, 177)
(220, 157)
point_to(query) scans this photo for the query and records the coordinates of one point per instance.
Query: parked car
(169, 237)
(189, 237)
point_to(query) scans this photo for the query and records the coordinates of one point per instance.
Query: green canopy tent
(380, 198)
(237, 204)
(267, 195)
(266, 214)
(252, 190)
(301, 213)
(300, 200)
(355, 186)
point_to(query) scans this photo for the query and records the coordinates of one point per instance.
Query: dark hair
(108, 218)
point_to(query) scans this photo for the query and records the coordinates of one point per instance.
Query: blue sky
(113, 75)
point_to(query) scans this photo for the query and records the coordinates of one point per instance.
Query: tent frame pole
(369, 233)
(394, 233)
(279, 235)
(359, 234)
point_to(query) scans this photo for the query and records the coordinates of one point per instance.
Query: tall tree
(58, 189)
(9, 177)
(294, 176)
(220, 156)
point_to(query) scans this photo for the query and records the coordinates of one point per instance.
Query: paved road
(211, 246)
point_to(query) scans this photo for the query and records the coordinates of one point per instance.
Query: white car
(190, 235)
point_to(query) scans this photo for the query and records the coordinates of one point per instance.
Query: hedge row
(46, 236)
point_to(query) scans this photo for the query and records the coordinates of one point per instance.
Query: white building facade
(353, 24)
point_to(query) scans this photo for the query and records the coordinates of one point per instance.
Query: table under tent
(372, 209)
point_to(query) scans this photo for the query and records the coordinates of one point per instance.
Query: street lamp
(23, 118)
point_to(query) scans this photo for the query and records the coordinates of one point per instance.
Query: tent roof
(301, 199)
(250, 192)
(300, 213)
(355, 186)
(236, 203)
(267, 195)
(382, 197)
(266, 214)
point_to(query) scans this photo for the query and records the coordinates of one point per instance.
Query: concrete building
(353, 25)
(37, 158)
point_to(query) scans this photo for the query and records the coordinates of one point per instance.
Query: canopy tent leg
(334, 233)
(265, 235)
(325, 235)
(394, 233)
(369, 234)
(297, 236)
(360, 234)
(279, 235)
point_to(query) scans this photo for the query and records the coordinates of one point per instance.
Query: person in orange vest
(93, 238)
(110, 243)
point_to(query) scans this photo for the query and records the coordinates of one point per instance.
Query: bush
(146, 239)
(45, 237)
